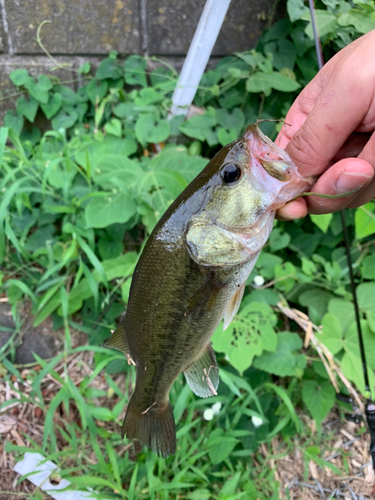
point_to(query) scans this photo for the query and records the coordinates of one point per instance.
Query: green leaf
(296, 9)
(264, 82)
(84, 69)
(104, 211)
(109, 68)
(147, 130)
(96, 90)
(366, 296)
(365, 221)
(327, 23)
(120, 267)
(234, 120)
(135, 71)
(52, 106)
(19, 76)
(368, 267)
(285, 274)
(220, 446)
(148, 96)
(332, 333)
(110, 157)
(250, 333)
(284, 54)
(360, 20)
(13, 120)
(64, 119)
(344, 312)
(27, 107)
(113, 127)
(177, 159)
(40, 90)
(284, 361)
(198, 126)
(322, 221)
(278, 240)
(226, 137)
(319, 398)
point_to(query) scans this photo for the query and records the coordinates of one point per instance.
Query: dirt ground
(299, 476)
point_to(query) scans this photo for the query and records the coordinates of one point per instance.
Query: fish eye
(230, 173)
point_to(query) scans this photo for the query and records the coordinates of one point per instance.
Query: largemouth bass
(192, 274)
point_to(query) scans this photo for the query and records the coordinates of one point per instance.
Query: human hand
(331, 132)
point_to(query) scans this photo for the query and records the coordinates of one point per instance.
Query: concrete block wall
(87, 30)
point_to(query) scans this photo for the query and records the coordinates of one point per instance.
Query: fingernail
(348, 181)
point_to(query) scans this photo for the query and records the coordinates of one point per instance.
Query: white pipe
(199, 53)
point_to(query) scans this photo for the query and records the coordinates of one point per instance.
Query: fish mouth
(274, 160)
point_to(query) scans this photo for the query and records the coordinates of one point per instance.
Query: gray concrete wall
(81, 30)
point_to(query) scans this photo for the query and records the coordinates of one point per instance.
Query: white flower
(216, 408)
(257, 422)
(259, 280)
(208, 414)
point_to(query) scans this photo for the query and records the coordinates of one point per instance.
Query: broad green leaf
(105, 155)
(319, 397)
(113, 127)
(351, 366)
(198, 126)
(278, 240)
(365, 221)
(120, 267)
(368, 267)
(351, 343)
(343, 311)
(104, 211)
(327, 23)
(27, 107)
(135, 71)
(40, 89)
(226, 137)
(264, 82)
(109, 68)
(283, 53)
(159, 188)
(283, 361)
(96, 90)
(176, 158)
(148, 96)
(19, 76)
(285, 274)
(332, 333)
(147, 130)
(322, 221)
(52, 106)
(13, 120)
(366, 296)
(250, 333)
(296, 9)
(64, 119)
(220, 446)
(316, 300)
(231, 120)
(360, 20)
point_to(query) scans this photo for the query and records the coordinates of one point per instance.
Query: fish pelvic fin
(233, 306)
(203, 374)
(153, 426)
(118, 340)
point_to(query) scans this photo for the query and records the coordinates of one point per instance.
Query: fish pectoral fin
(118, 340)
(203, 374)
(233, 306)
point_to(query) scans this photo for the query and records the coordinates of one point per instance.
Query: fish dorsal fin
(118, 340)
(203, 375)
(233, 306)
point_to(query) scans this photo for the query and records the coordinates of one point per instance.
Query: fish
(192, 274)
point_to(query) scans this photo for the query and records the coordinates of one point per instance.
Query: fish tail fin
(153, 427)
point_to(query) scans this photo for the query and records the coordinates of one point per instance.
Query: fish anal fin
(233, 306)
(118, 341)
(203, 374)
(153, 426)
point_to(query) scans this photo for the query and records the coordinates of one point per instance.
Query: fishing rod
(370, 406)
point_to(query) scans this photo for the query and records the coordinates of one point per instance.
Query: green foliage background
(77, 203)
